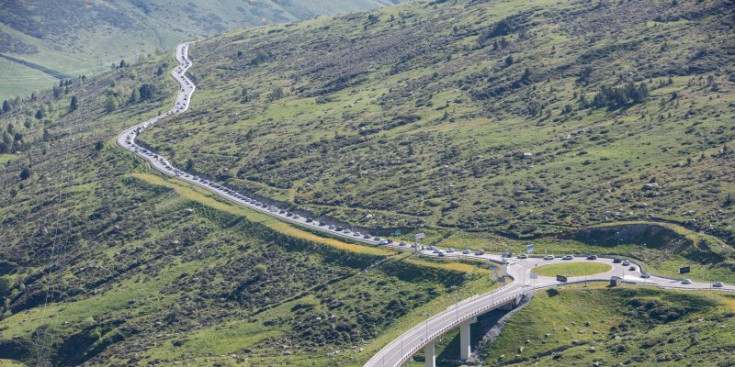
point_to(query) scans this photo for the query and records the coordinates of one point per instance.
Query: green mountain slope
(523, 118)
(83, 37)
(409, 117)
(105, 263)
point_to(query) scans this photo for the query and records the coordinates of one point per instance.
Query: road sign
(561, 278)
(685, 269)
(534, 276)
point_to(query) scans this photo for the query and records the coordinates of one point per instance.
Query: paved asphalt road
(402, 348)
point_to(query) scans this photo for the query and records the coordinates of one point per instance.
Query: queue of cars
(182, 103)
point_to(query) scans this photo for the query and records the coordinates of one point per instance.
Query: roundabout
(575, 269)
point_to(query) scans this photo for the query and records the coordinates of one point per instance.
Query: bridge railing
(493, 304)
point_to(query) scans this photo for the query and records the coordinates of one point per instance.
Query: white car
(686, 281)
(549, 257)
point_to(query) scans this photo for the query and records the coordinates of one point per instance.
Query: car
(309, 220)
(402, 243)
(322, 224)
(346, 231)
(441, 253)
(366, 236)
(296, 216)
(377, 238)
(383, 242)
(567, 257)
(356, 234)
(432, 247)
(617, 260)
(632, 268)
(466, 251)
(331, 227)
(480, 252)
(686, 281)
(523, 256)
(389, 241)
(645, 275)
(549, 257)
(507, 254)
(450, 250)
(626, 263)
(592, 257)
(718, 284)
(436, 251)
(289, 214)
(280, 211)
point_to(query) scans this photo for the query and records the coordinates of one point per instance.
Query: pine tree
(74, 104)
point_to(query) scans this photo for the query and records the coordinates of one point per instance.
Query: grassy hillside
(104, 262)
(81, 37)
(408, 118)
(577, 326)
(524, 118)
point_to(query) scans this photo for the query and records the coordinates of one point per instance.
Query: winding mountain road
(400, 350)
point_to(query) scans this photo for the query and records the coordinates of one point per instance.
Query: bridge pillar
(464, 339)
(430, 354)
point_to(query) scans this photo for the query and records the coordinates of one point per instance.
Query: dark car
(592, 257)
(617, 261)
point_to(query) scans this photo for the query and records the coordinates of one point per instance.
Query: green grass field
(571, 269)
(642, 326)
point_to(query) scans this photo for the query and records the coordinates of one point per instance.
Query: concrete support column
(464, 340)
(430, 354)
